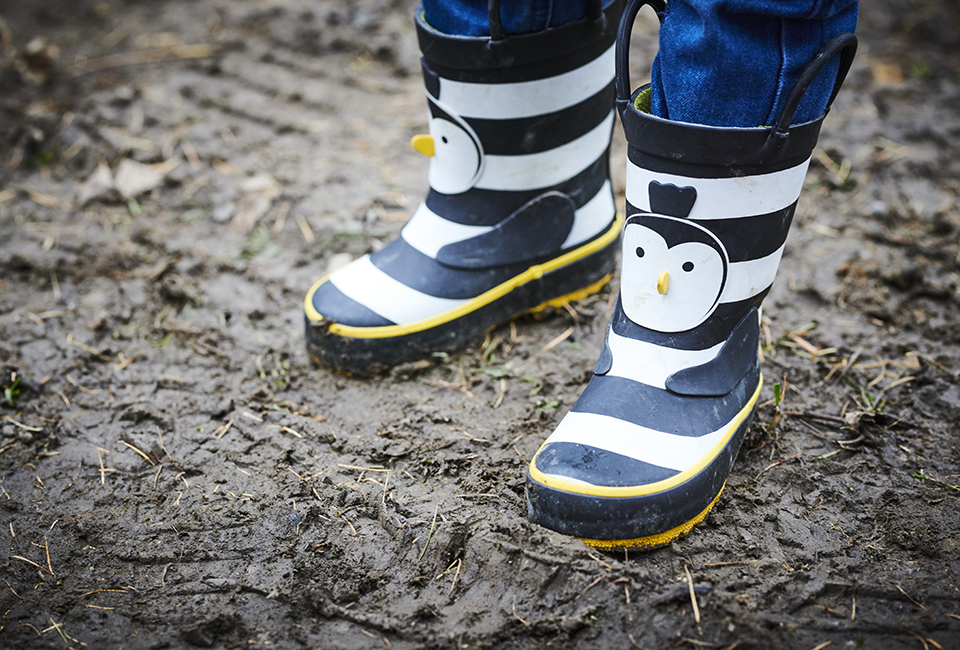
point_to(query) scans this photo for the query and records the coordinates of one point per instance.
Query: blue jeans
(721, 62)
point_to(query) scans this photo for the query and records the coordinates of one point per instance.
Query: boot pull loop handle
(624, 89)
(498, 33)
(496, 24)
(844, 44)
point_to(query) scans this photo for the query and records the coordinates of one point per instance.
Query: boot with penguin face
(520, 211)
(645, 452)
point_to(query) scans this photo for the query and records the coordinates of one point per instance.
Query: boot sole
(641, 517)
(365, 350)
(654, 541)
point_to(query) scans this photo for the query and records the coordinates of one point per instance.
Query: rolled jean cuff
(731, 63)
(469, 17)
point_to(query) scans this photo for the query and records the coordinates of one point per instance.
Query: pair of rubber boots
(520, 215)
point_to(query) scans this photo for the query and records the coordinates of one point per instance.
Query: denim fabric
(469, 17)
(721, 62)
(733, 62)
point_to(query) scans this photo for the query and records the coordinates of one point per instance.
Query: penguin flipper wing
(720, 375)
(605, 360)
(536, 230)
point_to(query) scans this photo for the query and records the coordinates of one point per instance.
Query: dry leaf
(133, 178)
(256, 196)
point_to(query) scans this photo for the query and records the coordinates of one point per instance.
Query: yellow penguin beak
(663, 282)
(423, 144)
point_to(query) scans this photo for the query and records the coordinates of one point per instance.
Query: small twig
(123, 361)
(291, 431)
(86, 348)
(779, 462)
(731, 563)
(383, 495)
(281, 217)
(560, 339)
(517, 616)
(632, 640)
(60, 394)
(145, 457)
(923, 476)
(11, 589)
(162, 445)
(456, 575)
(22, 426)
(46, 200)
(83, 389)
(221, 431)
(46, 544)
(191, 154)
(426, 544)
(103, 471)
(143, 57)
(23, 559)
(59, 628)
(599, 561)
(815, 416)
(378, 468)
(693, 595)
(305, 229)
(900, 589)
(349, 524)
(590, 586)
(103, 591)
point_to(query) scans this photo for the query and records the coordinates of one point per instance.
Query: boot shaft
(688, 195)
(512, 119)
(708, 209)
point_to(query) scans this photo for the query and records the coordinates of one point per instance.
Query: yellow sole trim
(658, 540)
(533, 273)
(574, 296)
(652, 488)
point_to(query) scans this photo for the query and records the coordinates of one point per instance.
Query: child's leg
(470, 17)
(732, 62)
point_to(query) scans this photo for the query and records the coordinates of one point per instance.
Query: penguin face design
(674, 272)
(456, 157)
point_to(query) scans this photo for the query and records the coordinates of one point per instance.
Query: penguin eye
(444, 138)
(639, 252)
(688, 266)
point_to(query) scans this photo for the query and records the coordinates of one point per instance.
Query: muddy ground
(174, 472)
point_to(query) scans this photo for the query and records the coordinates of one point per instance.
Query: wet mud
(175, 473)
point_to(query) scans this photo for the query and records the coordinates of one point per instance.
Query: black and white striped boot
(520, 211)
(646, 450)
